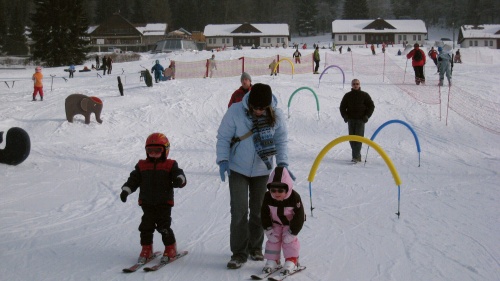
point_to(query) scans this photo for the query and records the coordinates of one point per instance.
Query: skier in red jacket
(418, 62)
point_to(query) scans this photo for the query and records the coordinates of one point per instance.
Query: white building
(360, 32)
(257, 34)
(486, 35)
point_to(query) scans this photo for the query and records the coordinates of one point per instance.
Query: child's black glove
(123, 196)
(178, 181)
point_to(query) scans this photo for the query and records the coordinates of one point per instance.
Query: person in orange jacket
(38, 84)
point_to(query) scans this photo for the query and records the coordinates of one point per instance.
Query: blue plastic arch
(296, 91)
(330, 66)
(400, 122)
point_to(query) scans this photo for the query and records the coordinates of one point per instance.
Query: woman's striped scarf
(263, 139)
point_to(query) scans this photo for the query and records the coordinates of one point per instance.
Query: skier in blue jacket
(444, 66)
(157, 69)
(251, 134)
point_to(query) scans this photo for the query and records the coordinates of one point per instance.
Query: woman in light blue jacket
(251, 134)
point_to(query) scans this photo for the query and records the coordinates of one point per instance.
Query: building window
(340, 37)
(419, 37)
(404, 37)
(470, 43)
(475, 43)
(399, 38)
(228, 40)
(491, 43)
(345, 37)
(359, 37)
(223, 40)
(414, 37)
(354, 38)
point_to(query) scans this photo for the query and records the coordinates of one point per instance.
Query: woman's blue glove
(289, 172)
(223, 168)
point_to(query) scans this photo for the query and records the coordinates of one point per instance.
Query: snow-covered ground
(61, 217)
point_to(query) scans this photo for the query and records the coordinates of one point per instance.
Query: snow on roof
(92, 28)
(356, 26)
(267, 29)
(153, 29)
(484, 31)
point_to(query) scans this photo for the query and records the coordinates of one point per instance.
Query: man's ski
(136, 266)
(264, 275)
(282, 276)
(162, 264)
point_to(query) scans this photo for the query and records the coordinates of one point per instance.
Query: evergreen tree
(59, 30)
(138, 14)
(306, 17)
(3, 27)
(355, 9)
(16, 40)
(401, 8)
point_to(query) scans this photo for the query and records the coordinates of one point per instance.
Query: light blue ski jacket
(242, 156)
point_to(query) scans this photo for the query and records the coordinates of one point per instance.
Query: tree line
(305, 17)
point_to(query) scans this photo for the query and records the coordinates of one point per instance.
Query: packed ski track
(61, 217)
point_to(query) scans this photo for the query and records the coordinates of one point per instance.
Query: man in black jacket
(356, 108)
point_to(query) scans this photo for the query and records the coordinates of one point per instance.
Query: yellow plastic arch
(338, 140)
(291, 63)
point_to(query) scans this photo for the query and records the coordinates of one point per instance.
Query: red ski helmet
(159, 139)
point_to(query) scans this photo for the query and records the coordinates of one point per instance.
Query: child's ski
(264, 275)
(136, 266)
(162, 264)
(282, 276)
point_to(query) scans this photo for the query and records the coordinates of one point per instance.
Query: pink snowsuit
(284, 217)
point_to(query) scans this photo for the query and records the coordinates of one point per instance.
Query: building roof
(153, 29)
(480, 31)
(92, 28)
(246, 29)
(378, 26)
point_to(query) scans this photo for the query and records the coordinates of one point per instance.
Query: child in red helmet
(157, 176)
(282, 217)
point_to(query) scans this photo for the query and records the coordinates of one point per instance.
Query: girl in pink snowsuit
(282, 217)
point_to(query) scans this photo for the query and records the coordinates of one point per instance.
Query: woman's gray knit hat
(245, 75)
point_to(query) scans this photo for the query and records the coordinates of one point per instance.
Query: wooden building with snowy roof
(378, 31)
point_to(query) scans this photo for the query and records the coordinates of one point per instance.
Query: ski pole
(52, 81)
(383, 72)
(404, 77)
(310, 198)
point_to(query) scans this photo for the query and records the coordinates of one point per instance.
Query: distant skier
(38, 84)
(418, 62)
(212, 65)
(71, 70)
(109, 64)
(272, 66)
(103, 65)
(316, 58)
(458, 57)
(282, 216)
(297, 55)
(97, 65)
(433, 55)
(156, 176)
(157, 69)
(444, 66)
